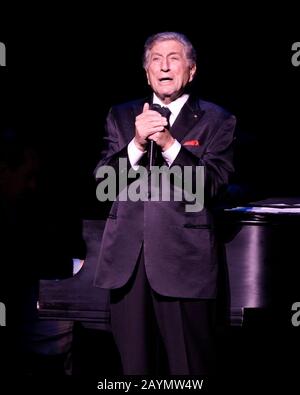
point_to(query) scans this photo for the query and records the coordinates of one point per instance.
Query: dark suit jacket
(179, 246)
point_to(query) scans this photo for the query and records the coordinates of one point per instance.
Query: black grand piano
(76, 298)
(260, 273)
(260, 247)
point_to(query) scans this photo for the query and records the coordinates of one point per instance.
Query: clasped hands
(150, 125)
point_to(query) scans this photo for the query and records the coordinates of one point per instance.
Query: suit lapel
(189, 115)
(128, 118)
(137, 109)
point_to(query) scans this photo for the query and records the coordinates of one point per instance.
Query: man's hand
(163, 139)
(150, 125)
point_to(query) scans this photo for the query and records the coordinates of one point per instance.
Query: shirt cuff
(170, 154)
(134, 154)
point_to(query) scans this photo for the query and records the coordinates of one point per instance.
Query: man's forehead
(167, 45)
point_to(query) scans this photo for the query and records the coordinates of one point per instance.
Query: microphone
(165, 112)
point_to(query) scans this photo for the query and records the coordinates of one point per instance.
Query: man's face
(168, 70)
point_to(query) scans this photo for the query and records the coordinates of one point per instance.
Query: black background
(66, 67)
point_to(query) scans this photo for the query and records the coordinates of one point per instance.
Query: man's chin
(168, 96)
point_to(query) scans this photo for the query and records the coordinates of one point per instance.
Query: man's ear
(147, 75)
(192, 72)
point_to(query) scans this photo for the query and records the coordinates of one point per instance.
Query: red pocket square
(192, 142)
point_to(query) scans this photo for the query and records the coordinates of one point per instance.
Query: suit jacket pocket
(196, 150)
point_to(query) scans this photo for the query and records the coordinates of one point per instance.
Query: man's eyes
(156, 58)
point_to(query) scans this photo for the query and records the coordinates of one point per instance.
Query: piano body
(260, 247)
(76, 298)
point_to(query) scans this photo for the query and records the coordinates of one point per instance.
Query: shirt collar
(175, 106)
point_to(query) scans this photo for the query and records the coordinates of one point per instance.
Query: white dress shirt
(135, 154)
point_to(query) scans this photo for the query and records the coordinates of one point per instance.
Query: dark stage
(63, 72)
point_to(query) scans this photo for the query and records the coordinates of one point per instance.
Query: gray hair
(190, 51)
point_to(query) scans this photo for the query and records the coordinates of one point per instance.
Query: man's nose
(165, 65)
